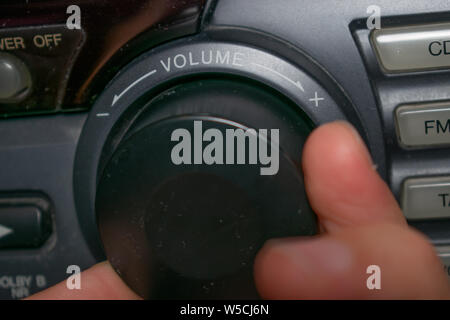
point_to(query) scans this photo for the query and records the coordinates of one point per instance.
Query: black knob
(179, 216)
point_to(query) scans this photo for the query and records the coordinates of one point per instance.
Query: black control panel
(118, 120)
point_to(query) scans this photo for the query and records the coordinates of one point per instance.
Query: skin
(361, 225)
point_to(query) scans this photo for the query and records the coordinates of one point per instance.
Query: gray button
(423, 125)
(426, 198)
(22, 227)
(15, 79)
(444, 254)
(413, 47)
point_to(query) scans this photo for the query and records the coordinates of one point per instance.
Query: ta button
(426, 198)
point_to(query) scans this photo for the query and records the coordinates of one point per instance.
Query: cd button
(411, 48)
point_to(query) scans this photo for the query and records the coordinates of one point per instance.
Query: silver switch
(15, 79)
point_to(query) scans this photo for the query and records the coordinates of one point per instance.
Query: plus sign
(316, 99)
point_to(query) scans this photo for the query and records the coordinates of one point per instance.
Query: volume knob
(209, 170)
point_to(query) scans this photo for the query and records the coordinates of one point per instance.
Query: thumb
(363, 227)
(334, 266)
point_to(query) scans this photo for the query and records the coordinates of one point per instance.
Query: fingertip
(339, 144)
(342, 185)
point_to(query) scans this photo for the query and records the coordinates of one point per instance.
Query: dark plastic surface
(116, 32)
(48, 52)
(37, 154)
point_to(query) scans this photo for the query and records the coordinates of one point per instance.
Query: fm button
(423, 124)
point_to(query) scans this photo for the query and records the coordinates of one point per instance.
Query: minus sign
(106, 114)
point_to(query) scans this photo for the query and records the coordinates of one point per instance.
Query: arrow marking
(298, 84)
(4, 231)
(105, 114)
(117, 97)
